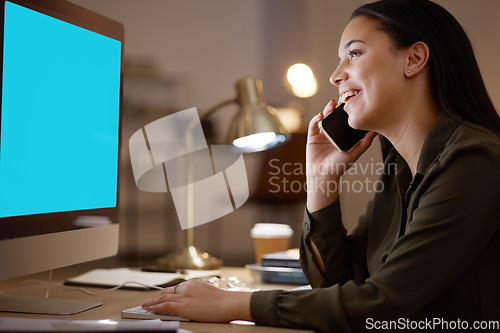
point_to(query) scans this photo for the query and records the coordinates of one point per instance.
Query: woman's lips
(347, 95)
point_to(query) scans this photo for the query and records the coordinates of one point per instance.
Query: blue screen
(59, 116)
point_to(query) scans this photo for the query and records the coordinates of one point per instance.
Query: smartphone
(336, 128)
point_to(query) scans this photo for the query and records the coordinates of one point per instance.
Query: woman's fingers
(329, 108)
(167, 305)
(369, 137)
(185, 301)
(200, 301)
(169, 294)
(313, 124)
(361, 147)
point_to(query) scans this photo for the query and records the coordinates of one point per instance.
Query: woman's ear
(417, 57)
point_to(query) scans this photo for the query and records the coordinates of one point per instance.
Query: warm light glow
(258, 141)
(302, 80)
(198, 262)
(290, 118)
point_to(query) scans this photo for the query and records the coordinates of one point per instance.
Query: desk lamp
(254, 128)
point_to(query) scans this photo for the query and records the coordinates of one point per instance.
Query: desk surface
(115, 301)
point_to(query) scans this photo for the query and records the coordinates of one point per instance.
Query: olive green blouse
(427, 248)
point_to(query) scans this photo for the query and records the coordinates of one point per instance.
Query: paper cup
(270, 238)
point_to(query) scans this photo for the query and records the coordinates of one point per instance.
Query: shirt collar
(435, 141)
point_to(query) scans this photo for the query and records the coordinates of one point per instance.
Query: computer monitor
(59, 139)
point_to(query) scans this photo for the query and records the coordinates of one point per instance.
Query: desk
(115, 301)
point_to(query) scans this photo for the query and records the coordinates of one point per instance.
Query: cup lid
(271, 230)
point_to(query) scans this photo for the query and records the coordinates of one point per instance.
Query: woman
(427, 246)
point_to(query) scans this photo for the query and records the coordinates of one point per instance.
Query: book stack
(281, 267)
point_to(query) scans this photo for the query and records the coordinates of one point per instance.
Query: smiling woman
(427, 246)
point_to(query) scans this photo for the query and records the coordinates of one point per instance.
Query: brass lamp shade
(256, 126)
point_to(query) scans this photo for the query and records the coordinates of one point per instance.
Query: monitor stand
(40, 305)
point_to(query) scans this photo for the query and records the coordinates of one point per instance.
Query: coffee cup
(270, 238)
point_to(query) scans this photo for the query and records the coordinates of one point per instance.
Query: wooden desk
(115, 301)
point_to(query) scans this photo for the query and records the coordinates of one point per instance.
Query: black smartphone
(336, 128)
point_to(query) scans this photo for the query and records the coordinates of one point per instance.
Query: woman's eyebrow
(348, 44)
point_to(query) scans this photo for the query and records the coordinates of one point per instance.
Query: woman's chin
(355, 123)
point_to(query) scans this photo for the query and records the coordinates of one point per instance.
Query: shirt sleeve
(455, 218)
(342, 254)
(344, 259)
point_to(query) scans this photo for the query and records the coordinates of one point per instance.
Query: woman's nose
(338, 76)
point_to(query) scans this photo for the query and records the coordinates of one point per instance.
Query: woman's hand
(325, 164)
(200, 301)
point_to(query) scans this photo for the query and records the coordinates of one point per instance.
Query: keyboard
(139, 313)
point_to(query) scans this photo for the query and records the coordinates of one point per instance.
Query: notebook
(130, 278)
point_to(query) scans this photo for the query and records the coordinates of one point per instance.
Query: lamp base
(189, 258)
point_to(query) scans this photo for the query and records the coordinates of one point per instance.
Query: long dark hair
(457, 84)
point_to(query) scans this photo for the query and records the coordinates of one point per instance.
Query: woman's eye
(353, 54)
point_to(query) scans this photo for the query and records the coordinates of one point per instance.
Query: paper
(135, 279)
(50, 325)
